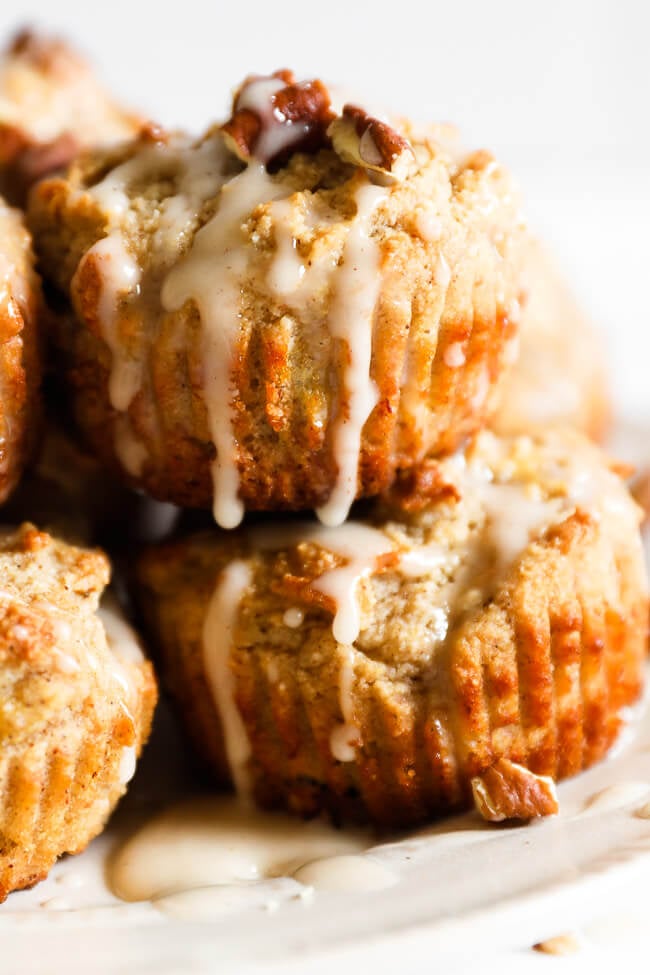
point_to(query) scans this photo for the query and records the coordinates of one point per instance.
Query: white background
(559, 90)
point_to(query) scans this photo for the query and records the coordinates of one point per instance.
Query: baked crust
(539, 650)
(51, 106)
(560, 375)
(21, 315)
(447, 237)
(75, 708)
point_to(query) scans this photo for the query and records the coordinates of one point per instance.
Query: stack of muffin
(312, 309)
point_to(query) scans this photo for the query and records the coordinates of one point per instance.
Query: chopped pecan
(153, 133)
(274, 115)
(510, 791)
(41, 159)
(44, 53)
(562, 944)
(362, 140)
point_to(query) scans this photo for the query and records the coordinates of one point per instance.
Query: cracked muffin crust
(21, 311)
(482, 626)
(76, 701)
(282, 315)
(51, 106)
(559, 376)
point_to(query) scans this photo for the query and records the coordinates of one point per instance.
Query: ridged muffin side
(76, 703)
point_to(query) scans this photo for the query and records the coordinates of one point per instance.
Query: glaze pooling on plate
(549, 873)
(216, 843)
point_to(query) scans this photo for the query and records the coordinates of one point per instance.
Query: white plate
(459, 885)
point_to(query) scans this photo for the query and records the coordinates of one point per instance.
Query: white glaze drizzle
(208, 842)
(344, 738)
(346, 872)
(454, 355)
(199, 171)
(120, 280)
(514, 516)
(293, 617)
(287, 271)
(351, 322)
(217, 646)
(616, 796)
(131, 451)
(125, 653)
(210, 275)
(361, 547)
(358, 544)
(127, 764)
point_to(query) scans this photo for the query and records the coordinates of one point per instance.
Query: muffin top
(56, 654)
(51, 105)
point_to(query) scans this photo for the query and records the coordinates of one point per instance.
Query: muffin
(288, 311)
(479, 631)
(21, 311)
(560, 375)
(76, 701)
(51, 105)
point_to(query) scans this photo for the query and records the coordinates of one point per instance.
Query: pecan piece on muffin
(483, 624)
(284, 339)
(51, 106)
(76, 701)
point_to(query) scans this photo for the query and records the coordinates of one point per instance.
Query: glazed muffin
(509, 631)
(51, 106)
(21, 312)
(76, 701)
(480, 630)
(560, 375)
(283, 314)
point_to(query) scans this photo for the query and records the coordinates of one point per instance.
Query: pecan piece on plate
(506, 790)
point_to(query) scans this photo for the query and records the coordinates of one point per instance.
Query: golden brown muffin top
(55, 651)
(47, 89)
(51, 106)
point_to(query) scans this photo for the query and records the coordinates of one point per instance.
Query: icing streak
(217, 647)
(211, 276)
(351, 322)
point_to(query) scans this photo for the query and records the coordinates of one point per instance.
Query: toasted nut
(510, 791)
(562, 944)
(36, 161)
(362, 140)
(153, 133)
(274, 115)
